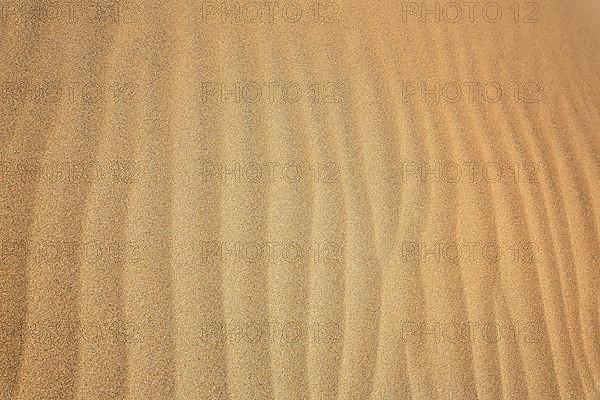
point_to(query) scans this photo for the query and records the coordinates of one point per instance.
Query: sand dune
(296, 200)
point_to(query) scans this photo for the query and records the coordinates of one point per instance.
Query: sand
(295, 200)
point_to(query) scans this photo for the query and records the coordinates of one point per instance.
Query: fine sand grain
(299, 200)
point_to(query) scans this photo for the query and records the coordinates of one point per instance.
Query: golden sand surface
(370, 200)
